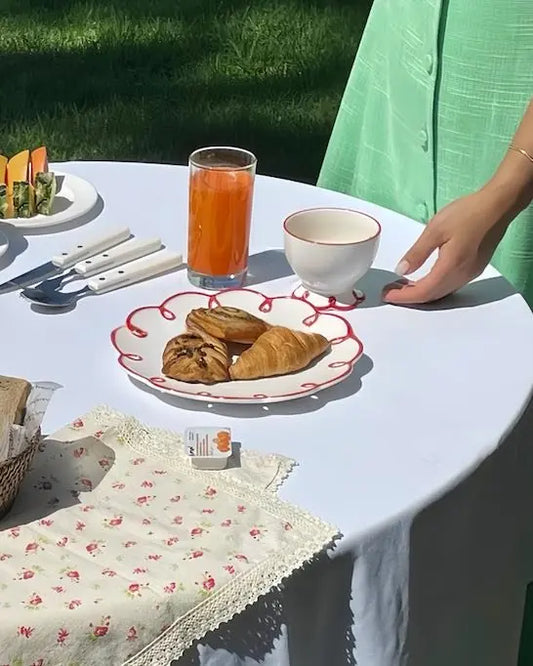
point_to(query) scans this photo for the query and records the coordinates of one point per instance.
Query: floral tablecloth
(118, 552)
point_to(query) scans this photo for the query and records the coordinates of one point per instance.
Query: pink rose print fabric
(107, 550)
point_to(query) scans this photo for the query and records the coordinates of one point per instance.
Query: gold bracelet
(522, 152)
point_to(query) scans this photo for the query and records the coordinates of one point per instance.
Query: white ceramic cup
(330, 249)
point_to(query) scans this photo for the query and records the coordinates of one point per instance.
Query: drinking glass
(221, 186)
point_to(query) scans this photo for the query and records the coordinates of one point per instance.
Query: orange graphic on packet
(222, 440)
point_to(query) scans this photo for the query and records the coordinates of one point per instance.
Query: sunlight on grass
(131, 80)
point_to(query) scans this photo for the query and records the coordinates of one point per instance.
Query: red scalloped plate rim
(205, 395)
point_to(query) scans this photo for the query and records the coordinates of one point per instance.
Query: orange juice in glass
(221, 186)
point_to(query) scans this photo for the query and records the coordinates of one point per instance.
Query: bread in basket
(14, 394)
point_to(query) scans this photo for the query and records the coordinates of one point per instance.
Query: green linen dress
(436, 92)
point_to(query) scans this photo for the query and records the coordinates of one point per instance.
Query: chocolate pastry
(194, 357)
(225, 323)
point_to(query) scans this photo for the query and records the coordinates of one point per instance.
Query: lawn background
(150, 80)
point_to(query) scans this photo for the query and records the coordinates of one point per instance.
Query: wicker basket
(12, 473)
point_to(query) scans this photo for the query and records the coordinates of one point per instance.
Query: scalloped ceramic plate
(140, 343)
(75, 197)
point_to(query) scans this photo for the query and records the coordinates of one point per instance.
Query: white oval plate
(75, 197)
(4, 244)
(141, 341)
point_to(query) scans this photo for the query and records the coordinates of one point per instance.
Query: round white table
(409, 457)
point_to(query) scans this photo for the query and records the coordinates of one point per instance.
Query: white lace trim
(285, 467)
(169, 445)
(246, 589)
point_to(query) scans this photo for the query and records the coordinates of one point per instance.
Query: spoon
(135, 271)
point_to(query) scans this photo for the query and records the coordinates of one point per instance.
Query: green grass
(150, 80)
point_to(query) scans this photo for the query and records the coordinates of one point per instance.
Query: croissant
(192, 357)
(225, 323)
(277, 352)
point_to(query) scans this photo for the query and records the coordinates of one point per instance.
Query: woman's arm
(467, 231)
(515, 173)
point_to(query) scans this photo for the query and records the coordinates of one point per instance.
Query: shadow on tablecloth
(272, 265)
(59, 473)
(471, 560)
(312, 615)
(474, 294)
(17, 245)
(267, 266)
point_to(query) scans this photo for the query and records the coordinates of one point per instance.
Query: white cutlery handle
(90, 247)
(141, 269)
(118, 255)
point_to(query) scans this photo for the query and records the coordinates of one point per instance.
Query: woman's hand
(465, 233)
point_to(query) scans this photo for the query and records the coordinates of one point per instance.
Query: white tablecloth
(434, 500)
